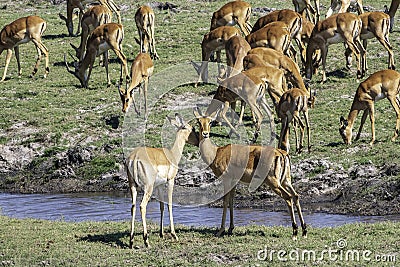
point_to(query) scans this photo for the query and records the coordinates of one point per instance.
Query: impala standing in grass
(21, 31)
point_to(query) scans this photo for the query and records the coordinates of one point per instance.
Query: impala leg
(143, 207)
(225, 206)
(106, 67)
(363, 119)
(324, 52)
(8, 59)
(39, 57)
(16, 50)
(133, 213)
(385, 42)
(305, 114)
(372, 119)
(162, 205)
(296, 201)
(70, 25)
(394, 101)
(152, 44)
(231, 198)
(223, 115)
(146, 84)
(171, 218)
(41, 50)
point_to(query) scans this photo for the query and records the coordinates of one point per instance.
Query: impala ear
(180, 120)
(197, 112)
(343, 121)
(173, 122)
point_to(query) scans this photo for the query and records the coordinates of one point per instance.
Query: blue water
(116, 207)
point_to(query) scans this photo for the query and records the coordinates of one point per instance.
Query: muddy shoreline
(322, 185)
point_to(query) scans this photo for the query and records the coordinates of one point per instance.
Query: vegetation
(43, 243)
(57, 114)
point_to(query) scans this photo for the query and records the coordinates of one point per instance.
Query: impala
(150, 169)
(262, 56)
(80, 4)
(214, 41)
(377, 24)
(105, 37)
(394, 5)
(293, 21)
(94, 17)
(274, 35)
(144, 19)
(381, 84)
(249, 87)
(232, 13)
(341, 6)
(291, 104)
(250, 164)
(141, 70)
(21, 31)
(236, 49)
(305, 8)
(342, 27)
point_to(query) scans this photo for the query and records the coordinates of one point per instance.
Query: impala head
(181, 126)
(128, 98)
(345, 130)
(204, 122)
(81, 76)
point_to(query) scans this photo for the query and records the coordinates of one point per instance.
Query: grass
(31, 242)
(64, 115)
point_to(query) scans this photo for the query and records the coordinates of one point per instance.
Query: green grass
(31, 242)
(64, 115)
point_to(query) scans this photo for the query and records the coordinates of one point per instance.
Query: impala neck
(177, 147)
(352, 116)
(208, 150)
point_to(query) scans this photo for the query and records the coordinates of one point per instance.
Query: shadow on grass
(54, 36)
(109, 239)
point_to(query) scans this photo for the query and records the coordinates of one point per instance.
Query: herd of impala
(261, 59)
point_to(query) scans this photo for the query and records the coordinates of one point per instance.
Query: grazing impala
(394, 5)
(262, 56)
(21, 31)
(236, 12)
(105, 37)
(250, 164)
(291, 104)
(342, 27)
(94, 17)
(141, 70)
(236, 49)
(341, 6)
(80, 4)
(249, 87)
(381, 84)
(150, 169)
(376, 24)
(144, 19)
(214, 41)
(305, 8)
(274, 35)
(293, 21)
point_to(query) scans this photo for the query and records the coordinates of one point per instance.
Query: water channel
(116, 207)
